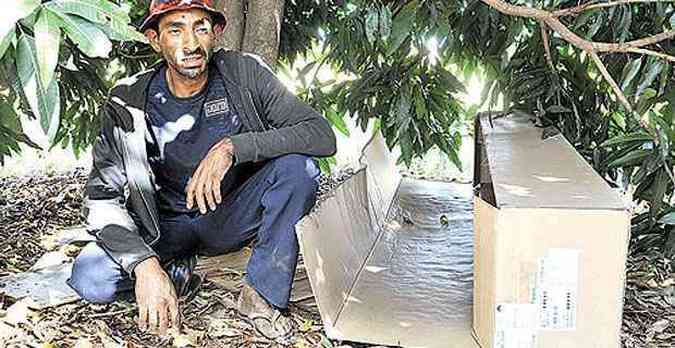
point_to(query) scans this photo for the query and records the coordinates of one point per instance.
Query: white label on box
(515, 325)
(556, 289)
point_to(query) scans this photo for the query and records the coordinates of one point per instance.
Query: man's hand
(156, 298)
(204, 186)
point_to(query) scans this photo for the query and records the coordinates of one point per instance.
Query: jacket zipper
(254, 111)
(144, 200)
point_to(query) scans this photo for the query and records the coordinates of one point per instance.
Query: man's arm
(105, 209)
(296, 127)
(116, 231)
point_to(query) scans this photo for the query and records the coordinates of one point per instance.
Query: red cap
(160, 7)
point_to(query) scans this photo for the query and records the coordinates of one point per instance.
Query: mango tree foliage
(45, 46)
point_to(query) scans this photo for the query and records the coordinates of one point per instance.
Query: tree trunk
(263, 27)
(253, 26)
(236, 21)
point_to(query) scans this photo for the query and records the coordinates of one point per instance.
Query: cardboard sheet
(401, 280)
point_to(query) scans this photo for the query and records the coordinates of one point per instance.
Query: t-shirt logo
(216, 107)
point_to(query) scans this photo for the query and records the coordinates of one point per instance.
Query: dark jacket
(120, 202)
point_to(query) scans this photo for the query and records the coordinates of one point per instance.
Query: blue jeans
(264, 209)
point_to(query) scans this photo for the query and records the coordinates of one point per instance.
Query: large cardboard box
(551, 240)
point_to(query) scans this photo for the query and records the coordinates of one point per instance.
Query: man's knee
(95, 276)
(297, 170)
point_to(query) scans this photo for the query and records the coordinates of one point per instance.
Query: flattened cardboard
(530, 220)
(405, 280)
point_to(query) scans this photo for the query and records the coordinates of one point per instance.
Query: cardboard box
(551, 240)
(383, 267)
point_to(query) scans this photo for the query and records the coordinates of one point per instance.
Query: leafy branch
(551, 20)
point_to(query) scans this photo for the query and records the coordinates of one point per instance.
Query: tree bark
(253, 26)
(233, 36)
(263, 27)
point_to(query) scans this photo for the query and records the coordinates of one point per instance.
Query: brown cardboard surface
(529, 172)
(405, 280)
(509, 246)
(335, 242)
(415, 289)
(485, 223)
(548, 201)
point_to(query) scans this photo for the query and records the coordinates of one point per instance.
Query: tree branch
(591, 47)
(590, 6)
(547, 46)
(653, 53)
(554, 23)
(608, 77)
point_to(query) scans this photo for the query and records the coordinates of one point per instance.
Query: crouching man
(201, 155)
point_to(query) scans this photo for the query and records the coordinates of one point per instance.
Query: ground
(33, 208)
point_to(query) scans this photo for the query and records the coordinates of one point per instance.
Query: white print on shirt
(170, 130)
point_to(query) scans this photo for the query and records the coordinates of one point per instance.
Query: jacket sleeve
(104, 205)
(294, 126)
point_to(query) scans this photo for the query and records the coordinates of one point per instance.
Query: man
(202, 154)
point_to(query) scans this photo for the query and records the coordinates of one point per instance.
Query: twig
(608, 77)
(547, 47)
(581, 8)
(652, 53)
(107, 314)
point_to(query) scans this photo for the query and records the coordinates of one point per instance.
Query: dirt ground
(33, 208)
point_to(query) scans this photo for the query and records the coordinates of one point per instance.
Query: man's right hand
(156, 298)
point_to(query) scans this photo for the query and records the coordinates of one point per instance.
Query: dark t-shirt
(183, 130)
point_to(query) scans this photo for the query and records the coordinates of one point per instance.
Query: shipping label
(556, 289)
(515, 325)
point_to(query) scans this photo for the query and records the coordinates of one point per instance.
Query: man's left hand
(204, 186)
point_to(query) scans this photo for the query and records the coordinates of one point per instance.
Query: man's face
(186, 39)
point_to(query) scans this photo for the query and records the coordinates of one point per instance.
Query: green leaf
(6, 42)
(96, 11)
(122, 33)
(450, 82)
(337, 121)
(402, 26)
(44, 102)
(47, 40)
(325, 164)
(629, 138)
(631, 71)
(113, 20)
(385, 23)
(632, 158)
(14, 11)
(668, 219)
(649, 77)
(598, 23)
(372, 25)
(420, 105)
(91, 40)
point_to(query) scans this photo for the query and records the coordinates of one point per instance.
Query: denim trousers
(263, 210)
